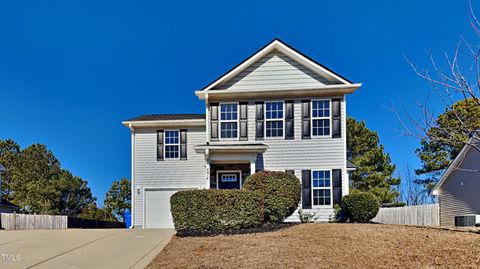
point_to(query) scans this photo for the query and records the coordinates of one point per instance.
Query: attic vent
(467, 220)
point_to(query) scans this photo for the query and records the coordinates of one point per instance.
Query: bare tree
(456, 77)
(411, 192)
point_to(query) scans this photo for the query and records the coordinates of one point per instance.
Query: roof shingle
(154, 117)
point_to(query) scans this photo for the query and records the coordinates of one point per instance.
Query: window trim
(265, 118)
(220, 121)
(165, 144)
(321, 118)
(321, 188)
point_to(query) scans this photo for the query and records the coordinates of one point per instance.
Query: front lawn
(326, 246)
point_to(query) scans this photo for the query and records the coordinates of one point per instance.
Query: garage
(157, 208)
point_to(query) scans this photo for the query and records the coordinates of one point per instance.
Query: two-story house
(277, 110)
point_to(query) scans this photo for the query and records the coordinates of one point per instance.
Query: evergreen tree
(374, 170)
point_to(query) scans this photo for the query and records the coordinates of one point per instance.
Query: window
(228, 120)
(274, 119)
(229, 178)
(321, 188)
(321, 117)
(172, 144)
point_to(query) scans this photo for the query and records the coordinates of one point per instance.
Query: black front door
(229, 180)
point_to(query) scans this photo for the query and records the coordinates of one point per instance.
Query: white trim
(215, 95)
(226, 121)
(230, 171)
(166, 123)
(282, 119)
(165, 144)
(321, 118)
(132, 183)
(321, 188)
(283, 48)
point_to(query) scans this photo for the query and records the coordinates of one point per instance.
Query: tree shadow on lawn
(266, 228)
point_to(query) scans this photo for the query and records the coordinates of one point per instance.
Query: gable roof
(289, 51)
(454, 165)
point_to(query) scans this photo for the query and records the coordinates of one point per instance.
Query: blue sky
(71, 71)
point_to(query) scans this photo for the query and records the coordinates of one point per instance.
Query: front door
(229, 179)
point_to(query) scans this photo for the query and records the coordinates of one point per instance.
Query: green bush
(281, 191)
(360, 206)
(198, 211)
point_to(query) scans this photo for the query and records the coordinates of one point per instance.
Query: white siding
(171, 174)
(275, 71)
(300, 154)
(459, 194)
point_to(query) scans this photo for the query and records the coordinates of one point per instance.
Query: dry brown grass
(327, 246)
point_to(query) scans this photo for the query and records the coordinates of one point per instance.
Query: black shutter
(336, 118)
(289, 111)
(291, 172)
(183, 144)
(214, 121)
(160, 145)
(306, 119)
(260, 124)
(306, 189)
(337, 185)
(243, 121)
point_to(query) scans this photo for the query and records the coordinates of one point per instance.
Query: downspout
(132, 211)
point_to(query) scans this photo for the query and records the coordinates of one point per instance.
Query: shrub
(360, 206)
(197, 211)
(281, 192)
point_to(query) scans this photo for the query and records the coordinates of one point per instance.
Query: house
(458, 190)
(277, 110)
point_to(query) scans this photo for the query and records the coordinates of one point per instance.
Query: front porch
(228, 164)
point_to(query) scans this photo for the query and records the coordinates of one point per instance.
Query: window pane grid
(321, 188)
(321, 118)
(172, 144)
(274, 119)
(228, 121)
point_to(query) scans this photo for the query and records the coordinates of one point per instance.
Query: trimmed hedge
(281, 191)
(199, 211)
(360, 206)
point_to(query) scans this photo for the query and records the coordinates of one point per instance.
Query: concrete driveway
(76, 248)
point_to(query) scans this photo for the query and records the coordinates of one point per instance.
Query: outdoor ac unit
(467, 220)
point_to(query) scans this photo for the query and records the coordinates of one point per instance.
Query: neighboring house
(5, 206)
(458, 190)
(277, 110)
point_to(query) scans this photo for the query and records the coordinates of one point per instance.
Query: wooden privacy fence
(13, 221)
(423, 215)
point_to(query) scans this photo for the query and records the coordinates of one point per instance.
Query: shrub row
(198, 211)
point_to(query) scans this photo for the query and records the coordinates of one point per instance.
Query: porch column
(252, 166)
(207, 165)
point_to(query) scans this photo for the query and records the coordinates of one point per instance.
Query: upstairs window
(321, 188)
(274, 119)
(228, 120)
(321, 118)
(172, 144)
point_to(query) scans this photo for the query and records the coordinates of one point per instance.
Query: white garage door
(157, 209)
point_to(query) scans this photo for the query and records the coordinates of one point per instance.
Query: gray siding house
(458, 190)
(277, 110)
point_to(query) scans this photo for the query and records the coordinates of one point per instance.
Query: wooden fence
(13, 221)
(423, 215)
